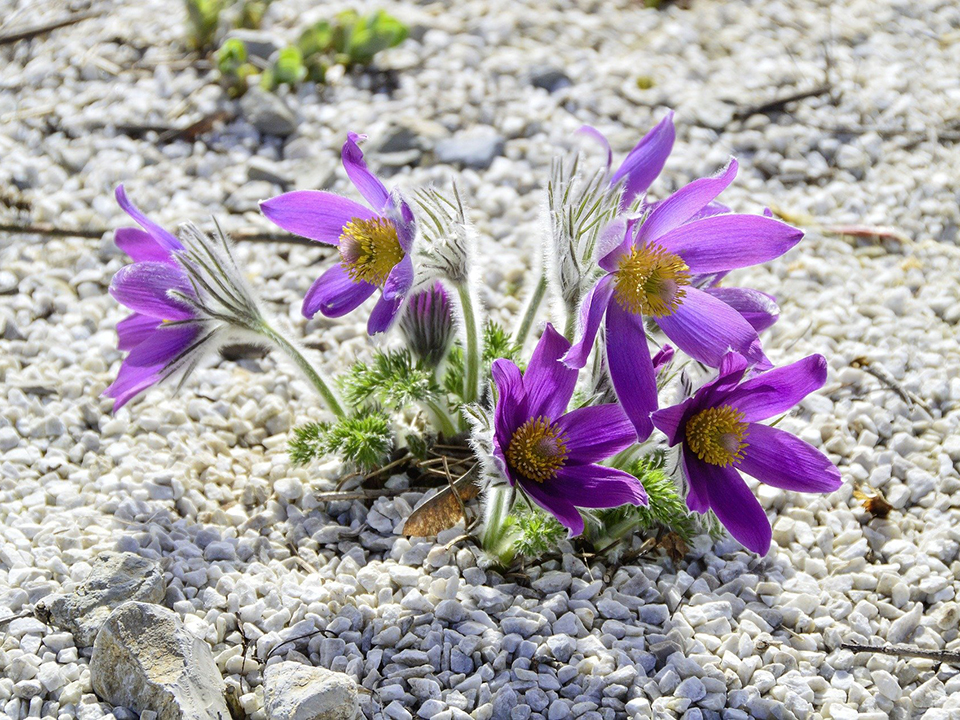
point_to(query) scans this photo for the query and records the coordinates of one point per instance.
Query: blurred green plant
(203, 18)
(287, 69)
(234, 67)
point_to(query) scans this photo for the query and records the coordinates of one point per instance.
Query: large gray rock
(114, 579)
(268, 113)
(145, 659)
(293, 691)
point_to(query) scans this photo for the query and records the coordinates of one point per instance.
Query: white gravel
(202, 483)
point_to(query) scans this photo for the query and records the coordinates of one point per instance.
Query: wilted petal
(133, 330)
(706, 329)
(334, 294)
(511, 411)
(757, 308)
(163, 238)
(400, 279)
(644, 163)
(549, 383)
(596, 486)
(736, 507)
(782, 460)
(314, 214)
(684, 204)
(595, 432)
(141, 246)
(144, 287)
(591, 314)
(383, 314)
(631, 370)
(778, 390)
(727, 242)
(365, 181)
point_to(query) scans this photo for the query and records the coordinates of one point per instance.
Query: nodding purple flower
(163, 329)
(720, 436)
(644, 163)
(551, 454)
(650, 271)
(375, 242)
(427, 324)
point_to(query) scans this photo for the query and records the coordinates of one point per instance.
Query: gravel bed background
(201, 481)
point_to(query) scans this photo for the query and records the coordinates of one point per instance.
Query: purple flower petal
(735, 506)
(727, 242)
(400, 279)
(133, 330)
(511, 411)
(644, 163)
(314, 214)
(670, 421)
(143, 287)
(406, 225)
(365, 181)
(164, 346)
(140, 246)
(757, 308)
(711, 209)
(631, 370)
(591, 313)
(616, 240)
(549, 383)
(684, 204)
(706, 329)
(130, 382)
(662, 358)
(776, 391)
(334, 294)
(557, 505)
(383, 315)
(163, 238)
(596, 486)
(595, 432)
(779, 459)
(595, 134)
(696, 472)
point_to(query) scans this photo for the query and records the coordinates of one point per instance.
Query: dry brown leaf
(875, 504)
(441, 511)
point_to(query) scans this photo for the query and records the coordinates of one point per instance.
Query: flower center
(651, 281)
(716, 435)
(369, 249)
(537, 450)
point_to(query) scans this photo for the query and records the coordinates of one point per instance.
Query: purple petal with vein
(141, 246)
(558, 506)
(684, 204)
(728, 242)
(706, 329)
(383, 315)
(757, 308)
(591, 314)
(631, 370)
(143, 287)
(596, 432)
(400, 280)
(314, 214)
(133, 330)
(365, 181)
(778, 390)
(164, 239)
(547, 381)
(736, 507)
(597, 486)
(334, 294)
(782, 460)
(644, 163)
(696, 472)
(511, 410)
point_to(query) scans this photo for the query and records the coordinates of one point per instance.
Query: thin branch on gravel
(18, 616)
(34, 30)
(342, 495)
(778, 104)
(52, 231)
(943, 656)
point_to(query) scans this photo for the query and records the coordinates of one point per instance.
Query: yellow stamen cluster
(537, 450)
(716, 435)
(651, 281)
(369, 249)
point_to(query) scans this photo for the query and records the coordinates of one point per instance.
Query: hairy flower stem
(531, 312)
(329, 396)
(571, 324)
(496, 539)
(471, 378)
(442, 418)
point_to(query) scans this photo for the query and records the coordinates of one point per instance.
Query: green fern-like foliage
(537, 532)
(666, 509)
(365, 439)
(392, 379)
(497, 343)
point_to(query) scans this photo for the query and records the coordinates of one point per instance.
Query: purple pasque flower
(427, 324)
(375, 242)
(551, 454)
(720, 435)
(649, 273)
(163, 330)
(644, 163)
